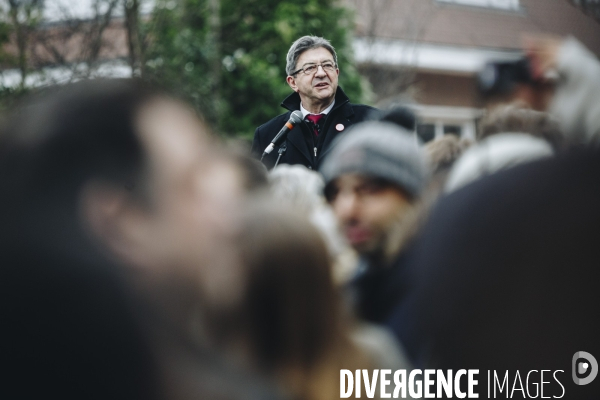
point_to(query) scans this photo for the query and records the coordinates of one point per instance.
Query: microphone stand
(295, 118)
(282, 150)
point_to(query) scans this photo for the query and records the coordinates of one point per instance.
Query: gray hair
(303, 44)
(297, 186)
(300, 191)
(519, 117)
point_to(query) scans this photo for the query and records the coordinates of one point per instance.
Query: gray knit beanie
(379, 149)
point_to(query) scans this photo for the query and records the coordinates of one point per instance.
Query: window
(452, 130)
(437, 121)
(498, 4)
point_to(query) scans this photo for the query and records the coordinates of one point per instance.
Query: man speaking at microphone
(312, 73)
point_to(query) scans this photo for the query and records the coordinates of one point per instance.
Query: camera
(500, 78)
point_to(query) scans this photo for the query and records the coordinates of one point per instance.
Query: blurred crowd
(144, 258)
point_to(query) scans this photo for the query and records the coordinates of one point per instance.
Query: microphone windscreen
(296, 117)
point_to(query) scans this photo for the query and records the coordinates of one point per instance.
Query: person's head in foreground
(373, 177)
(114, 170)
(124, 166)
(508, 136)
(518, 117)
(300, 190)
(290, 323)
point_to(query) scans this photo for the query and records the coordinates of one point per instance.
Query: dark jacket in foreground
(507, 275)
(379, 289)
(301, 141)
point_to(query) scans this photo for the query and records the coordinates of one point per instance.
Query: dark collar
(292, 102)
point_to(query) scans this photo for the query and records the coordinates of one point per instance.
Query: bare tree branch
(23, 16)
(93, 40)
(135, 39)
(393, 82)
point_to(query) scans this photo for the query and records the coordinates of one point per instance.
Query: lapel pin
(339, 127)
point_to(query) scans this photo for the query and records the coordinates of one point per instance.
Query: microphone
(295, 118)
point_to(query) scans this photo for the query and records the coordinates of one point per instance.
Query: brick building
(428, 52)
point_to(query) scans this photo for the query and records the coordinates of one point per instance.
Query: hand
(542, 51)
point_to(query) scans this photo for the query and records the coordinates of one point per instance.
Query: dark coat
(301, 140)
(507, 273)
(378, 289)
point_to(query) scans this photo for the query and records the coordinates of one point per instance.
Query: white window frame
(510, 5)
(440, 116)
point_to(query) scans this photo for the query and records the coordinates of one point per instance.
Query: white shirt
(305, 112)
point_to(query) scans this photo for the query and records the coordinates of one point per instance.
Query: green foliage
(236, 77)
(18, 19)
(7, 60)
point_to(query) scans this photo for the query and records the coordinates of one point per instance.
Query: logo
(585, 368)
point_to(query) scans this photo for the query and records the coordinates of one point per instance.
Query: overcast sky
(55, 10)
